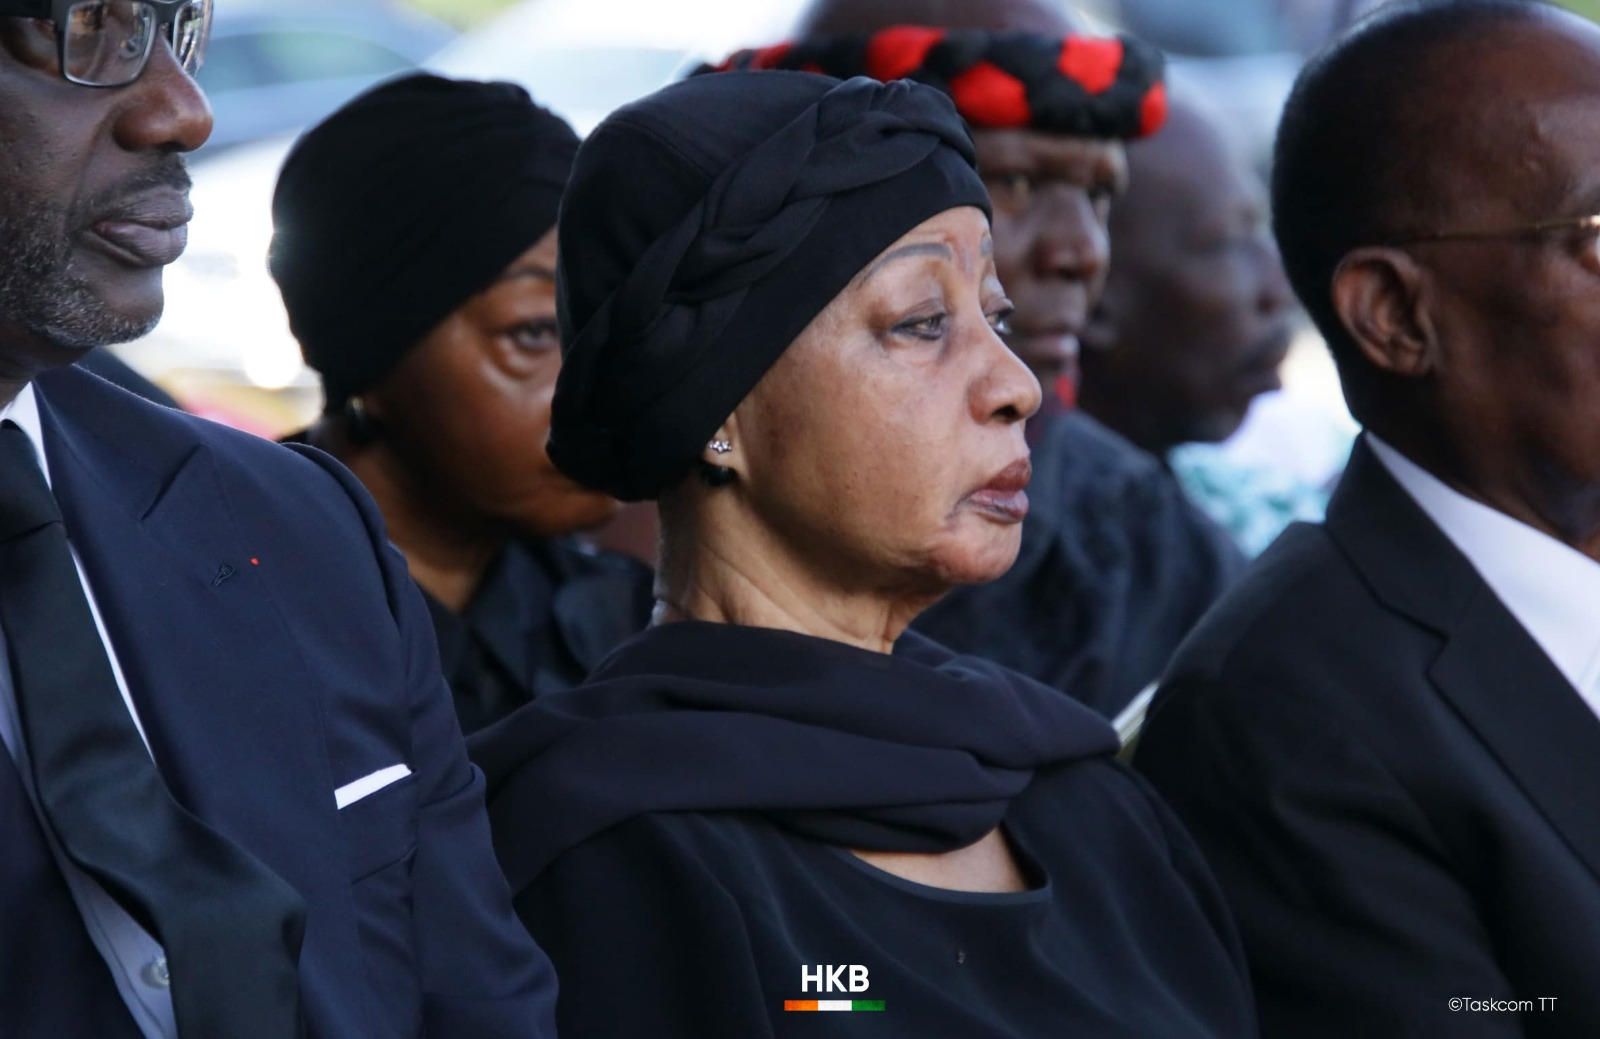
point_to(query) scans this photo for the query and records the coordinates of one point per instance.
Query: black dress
(1116, 565)
(674, 832)
(546, 613)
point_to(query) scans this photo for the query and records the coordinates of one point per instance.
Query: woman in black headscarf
(415, 247)
(780, 312)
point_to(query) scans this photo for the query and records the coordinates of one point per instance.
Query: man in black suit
(234, 800)
(1385, 737)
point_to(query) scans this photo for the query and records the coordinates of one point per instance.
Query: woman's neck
(750, 578)
(447, 552)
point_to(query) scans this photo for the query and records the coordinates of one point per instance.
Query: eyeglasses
(107, 43)
(1577, 223)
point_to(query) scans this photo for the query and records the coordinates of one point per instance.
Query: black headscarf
(921, 751)
(401, 206)
(704, 227)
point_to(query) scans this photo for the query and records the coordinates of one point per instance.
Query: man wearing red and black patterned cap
(1116, 565)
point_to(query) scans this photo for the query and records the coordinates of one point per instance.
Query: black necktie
(230, 926)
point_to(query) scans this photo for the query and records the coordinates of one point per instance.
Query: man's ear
(1382, 298)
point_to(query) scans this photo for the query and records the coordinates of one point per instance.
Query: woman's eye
(537, 336)
(930, 327)
(1000, 320)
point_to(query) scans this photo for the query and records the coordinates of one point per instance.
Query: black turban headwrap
(400, 207)
(1085, 86)
(703, 229)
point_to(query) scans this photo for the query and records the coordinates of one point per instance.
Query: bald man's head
(1196, 315)
(1415, 121)
(844, 16)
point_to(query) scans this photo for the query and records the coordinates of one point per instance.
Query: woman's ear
(723, 447)
(721, 460)
(1382, 298)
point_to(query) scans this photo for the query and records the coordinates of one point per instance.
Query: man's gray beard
(42, 293)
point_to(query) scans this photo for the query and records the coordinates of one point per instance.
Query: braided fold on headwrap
(1086, 86)
(651, 371)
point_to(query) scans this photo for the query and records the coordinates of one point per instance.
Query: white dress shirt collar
(24, 411)
(1552, 589)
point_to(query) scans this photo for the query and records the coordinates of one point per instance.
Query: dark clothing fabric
(45, 939)
(368, 265)
(211, 903)
(277, 653)
(547, 613)
(1397, 788)
(1080, 86)
(683, 893)
(1116, 566)
(920, 751)
(118, 372)
(705, 226)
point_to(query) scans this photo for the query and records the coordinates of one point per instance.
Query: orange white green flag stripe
(833, 1004)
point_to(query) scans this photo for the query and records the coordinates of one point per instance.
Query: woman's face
(886, 445)
(468, 409)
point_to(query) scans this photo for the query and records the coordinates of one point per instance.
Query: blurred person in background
(1195, 320)
(780, 307)
(1387, 735)
(1116, 563)
(426, 301)
(234, 799)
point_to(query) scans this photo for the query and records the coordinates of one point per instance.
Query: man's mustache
(168, 173)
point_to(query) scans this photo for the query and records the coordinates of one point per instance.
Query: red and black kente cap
(1085, 86)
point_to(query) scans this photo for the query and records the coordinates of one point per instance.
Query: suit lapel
(1491, 671)
(214, 671)
(1527, 713)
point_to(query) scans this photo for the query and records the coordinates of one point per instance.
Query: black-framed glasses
(107, 43)
(1576, 223)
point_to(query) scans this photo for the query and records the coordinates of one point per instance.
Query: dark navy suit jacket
(277, 651)
(1398, 791)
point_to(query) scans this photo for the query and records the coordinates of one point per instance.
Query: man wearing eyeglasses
(234, 800)
(1387, 738)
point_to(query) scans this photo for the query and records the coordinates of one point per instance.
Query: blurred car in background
(273, 67)
(224, 347)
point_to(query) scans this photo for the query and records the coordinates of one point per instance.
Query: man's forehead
(1043, 147)
(1521, 110)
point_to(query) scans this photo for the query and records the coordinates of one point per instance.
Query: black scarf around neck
(921, 751)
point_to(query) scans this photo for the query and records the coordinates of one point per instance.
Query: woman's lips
(1005, 497)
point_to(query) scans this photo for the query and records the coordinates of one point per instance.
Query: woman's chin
(981, 557)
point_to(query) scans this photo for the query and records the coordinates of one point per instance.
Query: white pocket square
(370, 784)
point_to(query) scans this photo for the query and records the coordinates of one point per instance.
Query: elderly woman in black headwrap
(1116, 563)
(780, 312)
(415, 247)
